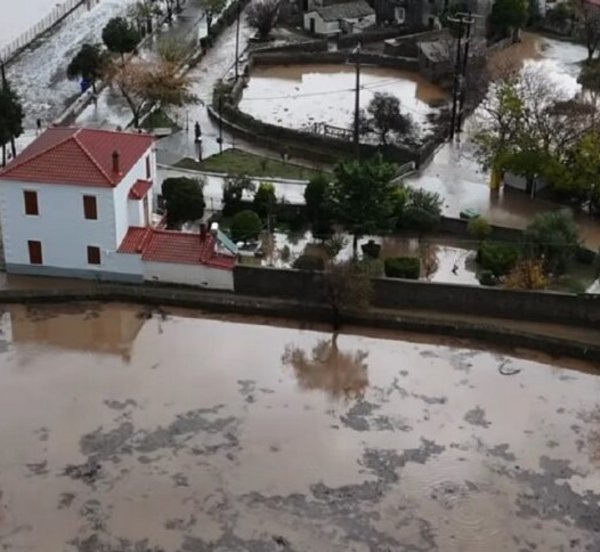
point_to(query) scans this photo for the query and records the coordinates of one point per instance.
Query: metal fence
(55, 16)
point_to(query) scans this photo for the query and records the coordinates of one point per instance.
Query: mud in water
(235, 436)
(300, 95)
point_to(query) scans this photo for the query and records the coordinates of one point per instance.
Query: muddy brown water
(298, 95)
(126, 430)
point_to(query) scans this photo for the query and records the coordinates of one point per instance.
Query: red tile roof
(78, 156)
(140, 189)
(168, 246)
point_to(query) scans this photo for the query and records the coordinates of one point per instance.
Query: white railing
(8, 51)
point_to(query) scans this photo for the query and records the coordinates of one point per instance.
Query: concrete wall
(415, 295)
(322, 27)
(188, 274)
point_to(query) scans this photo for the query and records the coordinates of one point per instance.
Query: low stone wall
(227, 303)
(366, 58)
(462, 300)
(408, 45)
(306, 143)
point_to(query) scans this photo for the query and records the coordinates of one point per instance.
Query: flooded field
(296, 96)
(129, 431)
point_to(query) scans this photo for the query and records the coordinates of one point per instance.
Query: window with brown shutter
(148, 172)
(93, 254)
(35, 251)
(31, 202)
(90, 209)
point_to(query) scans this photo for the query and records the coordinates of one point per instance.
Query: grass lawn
(235, 161)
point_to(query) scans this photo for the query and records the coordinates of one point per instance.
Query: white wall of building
(60, 226)
(188, 274)
(321, 27)
(138, 172)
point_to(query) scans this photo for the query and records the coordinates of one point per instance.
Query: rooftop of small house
(169, 246)
(78, 156)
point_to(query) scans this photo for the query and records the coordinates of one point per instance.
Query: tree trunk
(355, 246)
(4, 155)
(13, 146)
(94, 90)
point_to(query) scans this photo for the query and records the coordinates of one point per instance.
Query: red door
(35, 251)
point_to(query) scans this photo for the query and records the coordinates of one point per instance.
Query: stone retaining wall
(462, 300)
(235, 304)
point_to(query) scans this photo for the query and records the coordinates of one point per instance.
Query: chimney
(202, 231)
(115, 159)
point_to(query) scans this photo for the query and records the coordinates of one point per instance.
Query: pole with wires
(356, 140)
(465, 22)
(237, 41)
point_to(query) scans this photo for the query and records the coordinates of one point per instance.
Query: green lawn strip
(235, 161)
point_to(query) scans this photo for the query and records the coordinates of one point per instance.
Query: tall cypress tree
(11, 116)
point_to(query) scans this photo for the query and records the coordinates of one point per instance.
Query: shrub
(316, 196)
(527, 274)
(265, 199)
(487, 278)
(371, 249)
(403, 267)
(309, 262)
(479, 228)
(246, 225)
(233, 192)
(497, 257)
(184, 200)
(554, 238)
(422, 211)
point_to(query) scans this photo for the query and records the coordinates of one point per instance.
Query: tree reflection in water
(337, 373)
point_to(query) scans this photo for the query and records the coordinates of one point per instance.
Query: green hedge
(497, 257)
(309, 262)
(403, 267)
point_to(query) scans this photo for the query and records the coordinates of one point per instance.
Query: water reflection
(340, 374)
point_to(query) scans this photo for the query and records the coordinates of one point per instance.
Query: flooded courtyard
(297, 96)
(129, 430)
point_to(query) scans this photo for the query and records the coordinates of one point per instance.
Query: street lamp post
(237, 41)
(356, 52)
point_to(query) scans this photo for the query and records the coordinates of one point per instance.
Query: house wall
(138, 171)
(188, 274)
(60, 225)
(63, 230)
(321, 27)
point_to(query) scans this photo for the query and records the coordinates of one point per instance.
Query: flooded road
(166, 432)
(296, 96)
(457, 176)
(21, 16)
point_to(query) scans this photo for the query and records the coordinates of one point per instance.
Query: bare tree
(588, 16)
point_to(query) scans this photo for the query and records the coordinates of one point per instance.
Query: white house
(74, 202)
(348, 17)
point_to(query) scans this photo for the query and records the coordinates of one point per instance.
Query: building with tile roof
(78, 203)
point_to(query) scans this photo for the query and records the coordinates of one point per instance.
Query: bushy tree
(479, 228)
(233, 193)
(510, 16)
(421, 211)
(211, 8)
(184, 200)
(499, 258)
(588, 16)
(246, 226)
(362, 195)
(265, 200)
(11, 116)
(553, 237)
(89, 64)
(384, 117)
(120, 36)
(262, 15)
(318, 205)
(143, 83)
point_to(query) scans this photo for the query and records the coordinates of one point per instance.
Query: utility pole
(457, 70)
(237, 41)
(356, 52)
(464, 21)
(463, 89)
